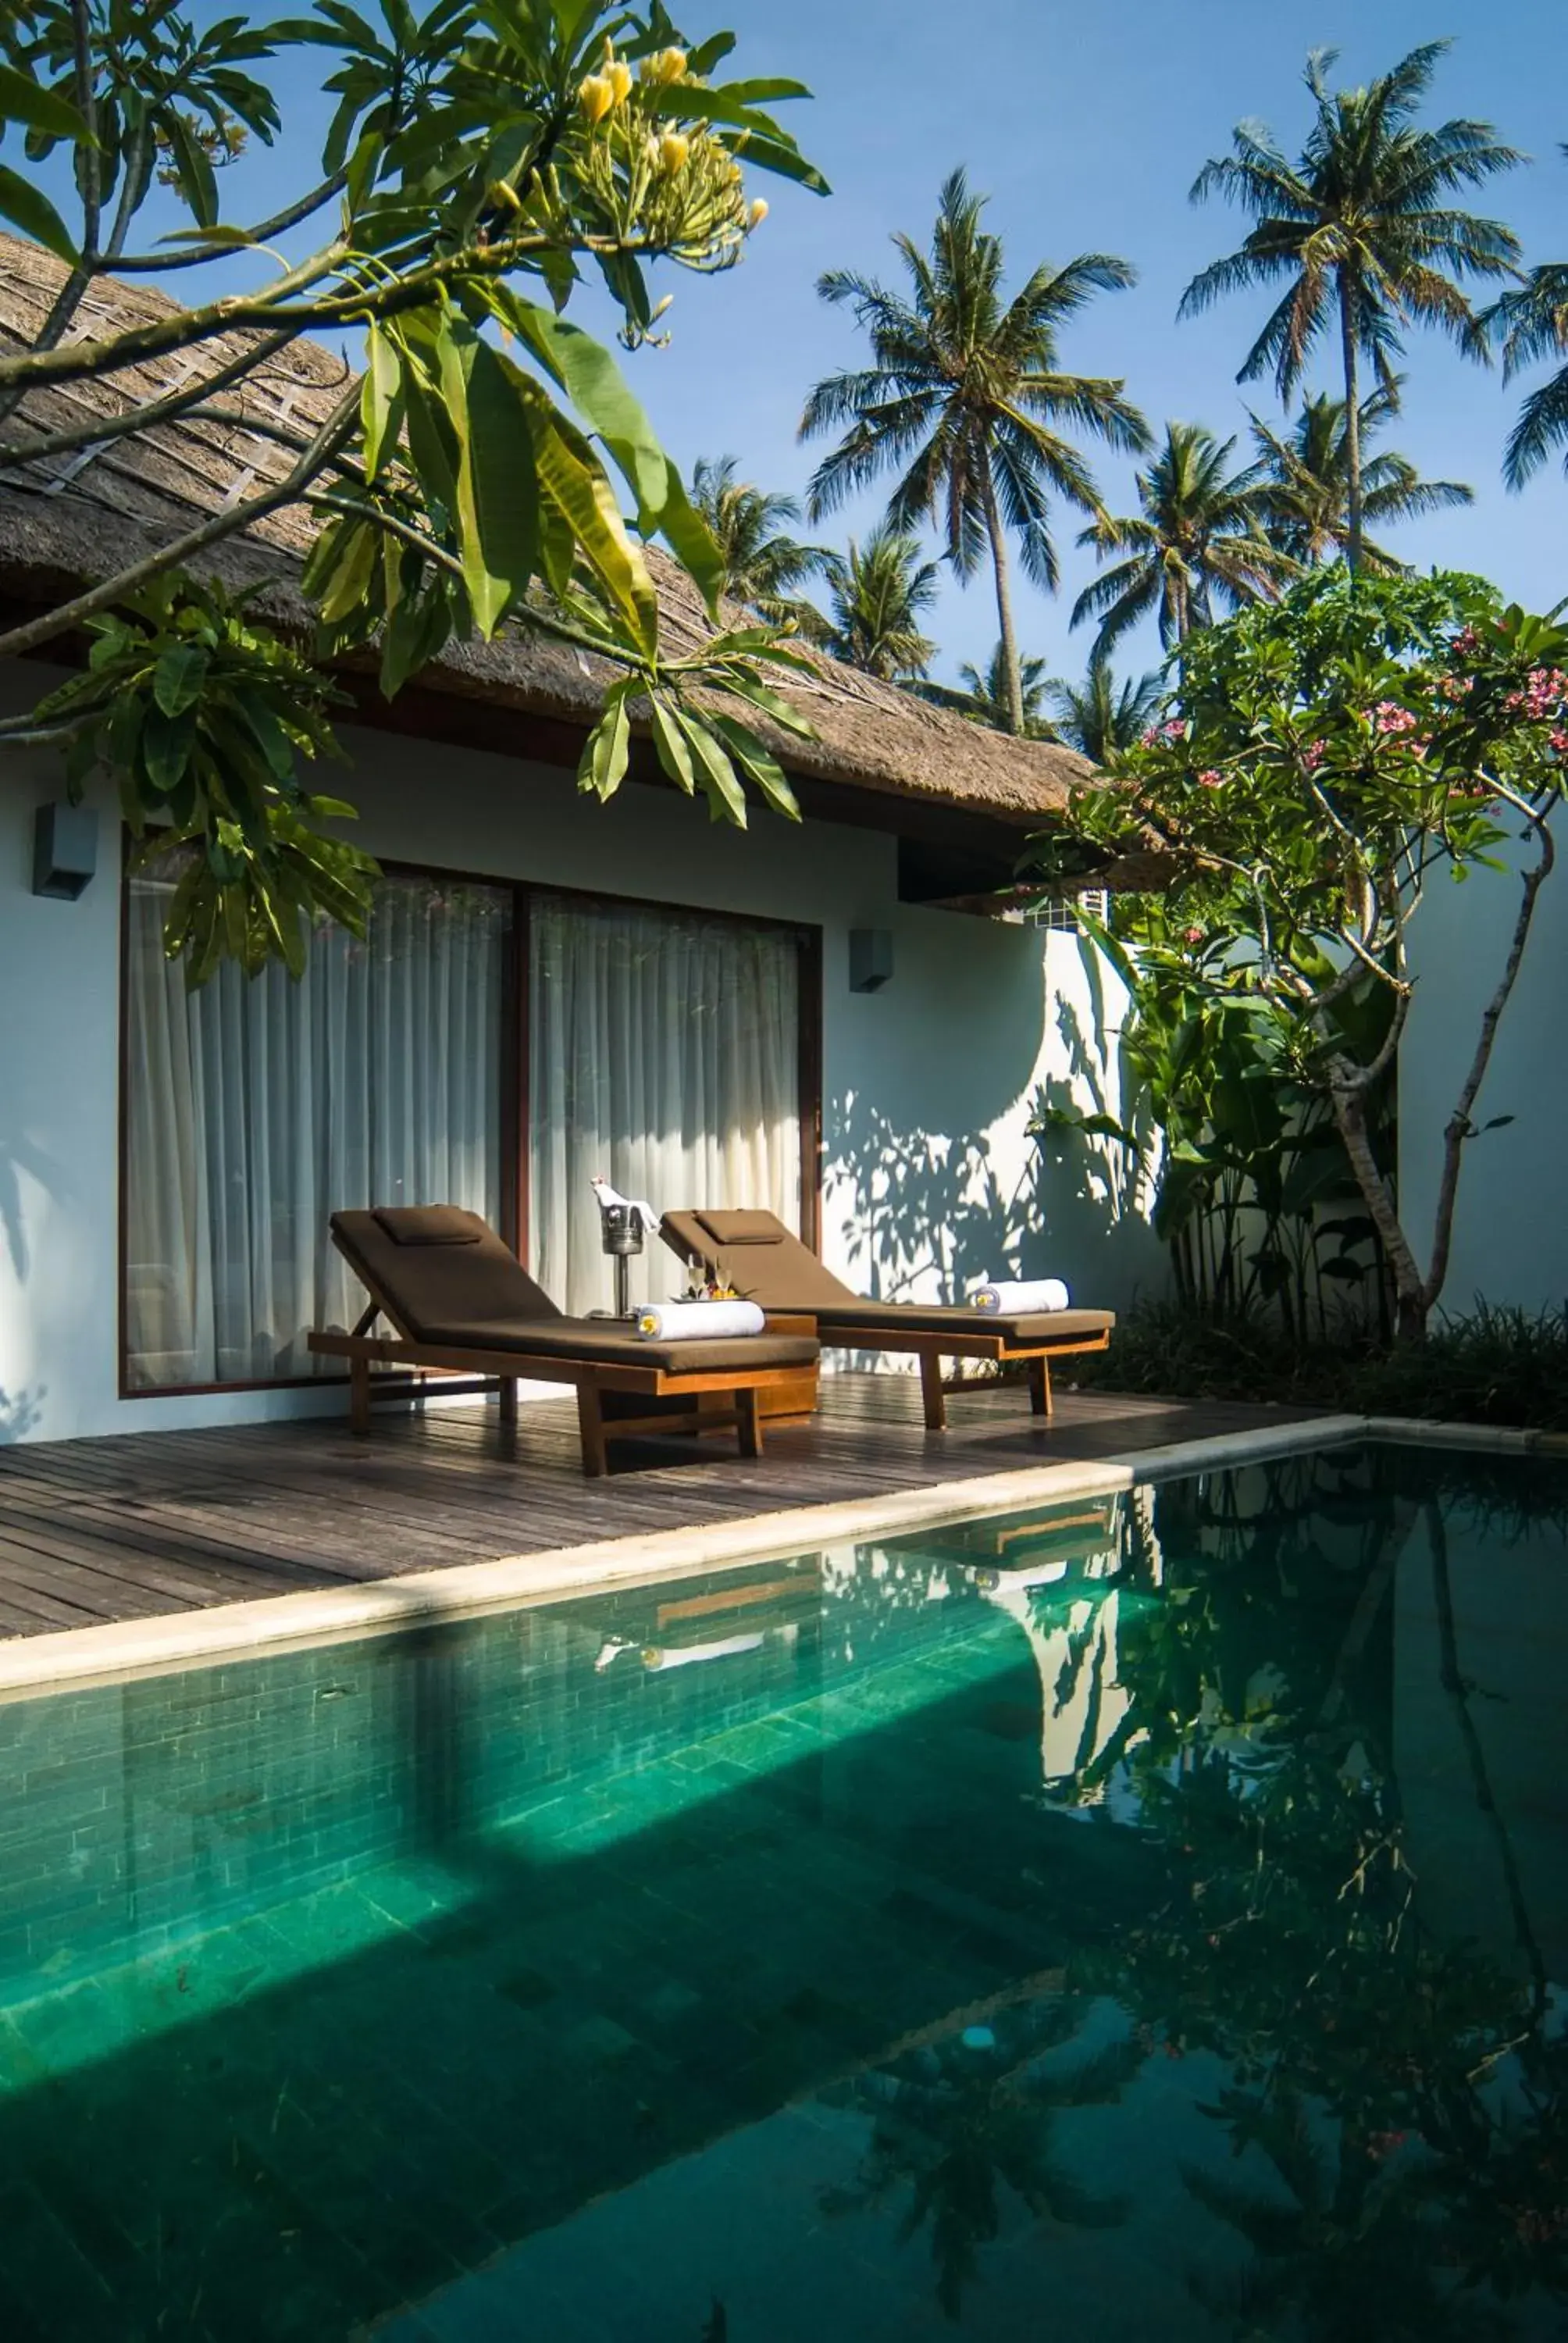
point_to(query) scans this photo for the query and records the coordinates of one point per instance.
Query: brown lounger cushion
(884, 1319)
(759, 1257)
(468, 1280)
(608, 1343)
(429, 1224)
(770, 1265)
(743, 1228)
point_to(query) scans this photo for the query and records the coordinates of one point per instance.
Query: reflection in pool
(1151, 1913)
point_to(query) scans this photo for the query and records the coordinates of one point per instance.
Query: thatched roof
(69, 521)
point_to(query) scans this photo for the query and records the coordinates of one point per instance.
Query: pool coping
(120, 1650)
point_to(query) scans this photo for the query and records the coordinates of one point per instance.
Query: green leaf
(715, 773)
(415, 632)
(35, 215)
(221, 238)
(762, 769)
(260, 718)
(192, 167)
(608, 749)
(25, 100)
(671, 745)
(788, 719)
(574, 482)
(588, 373)
(351, 573)
(178, 677)
(380, 402)
(166, 745)
(500, 472)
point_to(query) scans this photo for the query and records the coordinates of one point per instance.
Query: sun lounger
(757, 1255)
(459, 1301)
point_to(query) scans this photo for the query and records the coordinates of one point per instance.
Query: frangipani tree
(482, 161)
(1324, 763)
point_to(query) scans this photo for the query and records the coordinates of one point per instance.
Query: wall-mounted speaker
(64, 849)
(871, 959)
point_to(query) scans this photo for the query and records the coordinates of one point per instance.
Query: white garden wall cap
(1421, 1431)
(36, 1665)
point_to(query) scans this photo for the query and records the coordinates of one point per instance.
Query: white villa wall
(930, 1176)
(1511, 1233)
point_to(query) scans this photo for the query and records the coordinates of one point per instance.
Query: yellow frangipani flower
(669, 65)
(673, 150)
(596, 96)
(757, 213)
(619, 76)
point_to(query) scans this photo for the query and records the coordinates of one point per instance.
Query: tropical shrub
(1325, 760)
(1498, 1366)
(481, 162)
(1251, 1187)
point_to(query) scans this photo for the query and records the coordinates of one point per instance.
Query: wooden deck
(161, 1520)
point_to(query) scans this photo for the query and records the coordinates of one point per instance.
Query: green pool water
(1143, 1918)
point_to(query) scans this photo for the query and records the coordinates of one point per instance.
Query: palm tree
(959, 2125)
(1363, 223)
(1531, 323)
(1303, 492)
(880, 592)
(964, 400)
(1099, 719)
(1196, 545)
(763, 565)
(983, 695)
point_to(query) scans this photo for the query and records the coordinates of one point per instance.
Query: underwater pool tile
(620, 1989)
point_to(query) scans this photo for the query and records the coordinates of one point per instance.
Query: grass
(1500, 1367)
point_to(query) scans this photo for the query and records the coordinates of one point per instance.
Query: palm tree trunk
(1349, 343)
(1010, 669)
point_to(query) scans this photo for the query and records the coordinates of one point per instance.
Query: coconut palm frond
(880, 590)
(1362, 232)
(1197, 543)
(966, 402)
(764, 566)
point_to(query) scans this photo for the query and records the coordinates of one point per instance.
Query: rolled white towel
(698, 1321)
(1026, 1299)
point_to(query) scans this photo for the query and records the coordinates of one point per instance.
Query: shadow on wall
(924, 1214)
(1097, 1194)
(20, 1411)
(21, 1158)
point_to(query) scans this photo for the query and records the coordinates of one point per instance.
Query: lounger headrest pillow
(743, 1228)
(429, 1224)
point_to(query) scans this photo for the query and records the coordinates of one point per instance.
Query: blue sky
(1085, 123)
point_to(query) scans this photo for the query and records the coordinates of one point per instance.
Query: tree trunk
(1010, 669)
(1410, 1292)
(1348, 339)
(1461, 1126)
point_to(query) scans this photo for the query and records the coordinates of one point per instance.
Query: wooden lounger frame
(595, 1380)
(930, 1350)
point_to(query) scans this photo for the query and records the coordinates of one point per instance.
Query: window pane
(255, 1108)
(665, 1053)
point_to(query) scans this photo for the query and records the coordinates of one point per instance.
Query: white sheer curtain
(665, 1053)
(255, 1109)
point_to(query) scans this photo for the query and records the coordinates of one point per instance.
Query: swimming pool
(1146, 1913)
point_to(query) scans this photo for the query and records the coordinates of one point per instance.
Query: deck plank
(158, 1522)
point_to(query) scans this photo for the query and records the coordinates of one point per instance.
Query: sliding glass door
(664, 1053)
(663, 1049)
(255, 1108)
